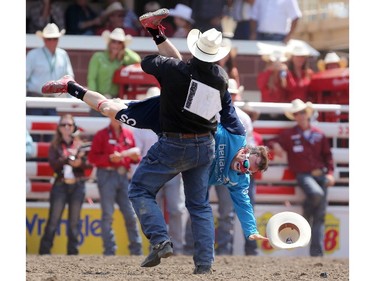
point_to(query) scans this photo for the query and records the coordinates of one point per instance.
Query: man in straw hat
(46, 63)
(310, 159)
(184, 118)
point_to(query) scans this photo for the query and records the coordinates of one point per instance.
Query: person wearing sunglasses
(46, 63)
(68, 163)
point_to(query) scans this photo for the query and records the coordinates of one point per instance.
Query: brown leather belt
(184, 135)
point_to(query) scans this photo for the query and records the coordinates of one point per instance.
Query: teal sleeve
(244, 210)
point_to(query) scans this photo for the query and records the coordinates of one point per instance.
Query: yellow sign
(90, 234)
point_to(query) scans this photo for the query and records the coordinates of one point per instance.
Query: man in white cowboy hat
(46, 63)
(103, 64)
(310, 159)
(192, 94)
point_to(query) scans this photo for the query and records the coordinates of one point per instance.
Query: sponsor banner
(336, 240)
(90, 234)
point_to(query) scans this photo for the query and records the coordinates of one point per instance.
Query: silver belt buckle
(121, 170)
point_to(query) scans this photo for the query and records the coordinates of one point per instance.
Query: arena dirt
(228, 268)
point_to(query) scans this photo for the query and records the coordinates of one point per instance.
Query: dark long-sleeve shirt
(306, 153)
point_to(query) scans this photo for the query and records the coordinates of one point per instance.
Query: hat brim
(106, 34)
(192, 40)
(40, 34)
(307, 107)
(288, 226)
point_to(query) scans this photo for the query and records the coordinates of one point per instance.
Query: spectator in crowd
(240, 11)
(114, 17)
(272, 81)
(103, 64)
(225, 229)
(274, 20)
(30, 153)
(208, 14)
(197, 173)
(43, 64)
(299, 73)
(331, 61)
(171, 195)
(68, 164)
(112, 151)
(81, 19)
(43, 12)
(310, 159)
(182, 19)
(30, 147)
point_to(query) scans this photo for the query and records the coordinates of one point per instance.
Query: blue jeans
(113, 188)
(164, 160)
(314, 208)
(173, 194)
(225, 229)
(62, 194)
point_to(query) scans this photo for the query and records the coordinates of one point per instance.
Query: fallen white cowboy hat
(209, 46)
(117, 34)
(298, 105)
(331, 57)
(51, 30)
(288, 230)
(233, 87)
(182, 11)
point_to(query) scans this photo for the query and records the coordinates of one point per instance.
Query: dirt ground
(116, 268)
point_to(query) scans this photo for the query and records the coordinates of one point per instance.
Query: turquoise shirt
(101, 70)
(226, 147)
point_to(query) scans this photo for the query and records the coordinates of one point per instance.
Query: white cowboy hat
(331, 57)
(114, 7)
(299, 50)
(117, 34)
(298, 105)
(51, 30)
(288, 230)
(208, 46)
(182, 11)
(233, 87)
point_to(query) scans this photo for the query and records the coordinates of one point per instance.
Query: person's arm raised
(167, 49)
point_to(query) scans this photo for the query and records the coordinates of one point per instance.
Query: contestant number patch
(202, 100)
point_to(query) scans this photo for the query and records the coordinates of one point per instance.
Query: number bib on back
(203, 100)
